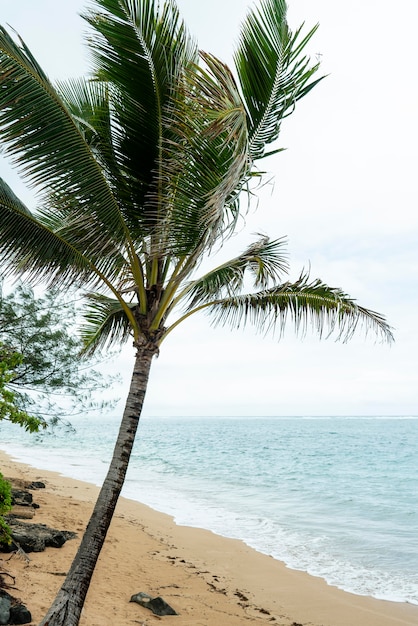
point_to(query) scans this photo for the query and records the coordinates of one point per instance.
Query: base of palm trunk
(64, 611)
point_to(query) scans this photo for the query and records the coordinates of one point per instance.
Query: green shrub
(5, 506)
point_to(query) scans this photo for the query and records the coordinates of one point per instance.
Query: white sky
(344, 193)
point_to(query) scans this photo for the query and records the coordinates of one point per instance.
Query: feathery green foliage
(49, 377)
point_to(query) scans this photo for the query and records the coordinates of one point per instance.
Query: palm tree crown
(140, 169)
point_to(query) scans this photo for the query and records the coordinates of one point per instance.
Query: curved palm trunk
(68, 604)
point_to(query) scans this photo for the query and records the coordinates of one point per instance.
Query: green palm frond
(272, 71)
(141, 51)
(49, 247)
(204, 158)
(9, 199)
(106, 324)
(225, 130)
(44, 142)
(264, 260)
(88, 102)
(307, 304)
(79, 232)
(29, 246)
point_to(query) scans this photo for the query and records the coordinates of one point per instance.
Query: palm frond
(306, 304)
(264, 260)
(204, 158)
(106, 324)
(78, 231)
(272, 70)
(29, 246)
(140, 50)
(88, 102)
(9, 199)
(50, 248)
(45, 143)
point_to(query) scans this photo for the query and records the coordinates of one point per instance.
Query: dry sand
(207, 579)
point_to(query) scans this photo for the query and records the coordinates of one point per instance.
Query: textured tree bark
(68, 604)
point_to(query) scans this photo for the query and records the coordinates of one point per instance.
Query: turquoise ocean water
(335, 497)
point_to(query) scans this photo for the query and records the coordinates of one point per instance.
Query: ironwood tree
(51, 378)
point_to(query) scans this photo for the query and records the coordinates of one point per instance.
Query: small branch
(19, 552)
(4, 584)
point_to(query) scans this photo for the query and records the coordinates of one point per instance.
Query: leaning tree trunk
(68, 604)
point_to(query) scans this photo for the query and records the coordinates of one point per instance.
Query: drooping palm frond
(204, 159)
(9, 199)
(49, 247)
(264, 260)
(272, 70)
(79, 231)
(308, 305)
(29, 246)
(106, 324)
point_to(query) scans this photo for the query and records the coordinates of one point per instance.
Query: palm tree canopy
(140, 169)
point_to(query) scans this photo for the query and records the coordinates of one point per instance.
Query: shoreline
(208, 579)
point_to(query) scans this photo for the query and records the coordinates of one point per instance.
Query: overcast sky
(344, 193)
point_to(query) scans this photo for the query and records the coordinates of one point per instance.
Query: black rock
(160, 607)
(36, 484)
(35, 537)
(5, 605)
(141, 598)
(157, 605)
(19, 614)
(21, 497)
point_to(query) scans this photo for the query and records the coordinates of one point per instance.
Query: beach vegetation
(144, 170)
(5, 507)
(50, 378)
(10, 410)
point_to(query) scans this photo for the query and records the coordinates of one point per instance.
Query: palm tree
(140, 170)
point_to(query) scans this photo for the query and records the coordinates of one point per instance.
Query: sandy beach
(207, 579)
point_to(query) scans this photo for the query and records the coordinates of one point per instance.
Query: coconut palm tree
(140, 170)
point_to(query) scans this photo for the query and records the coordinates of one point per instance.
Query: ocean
(334, 497)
